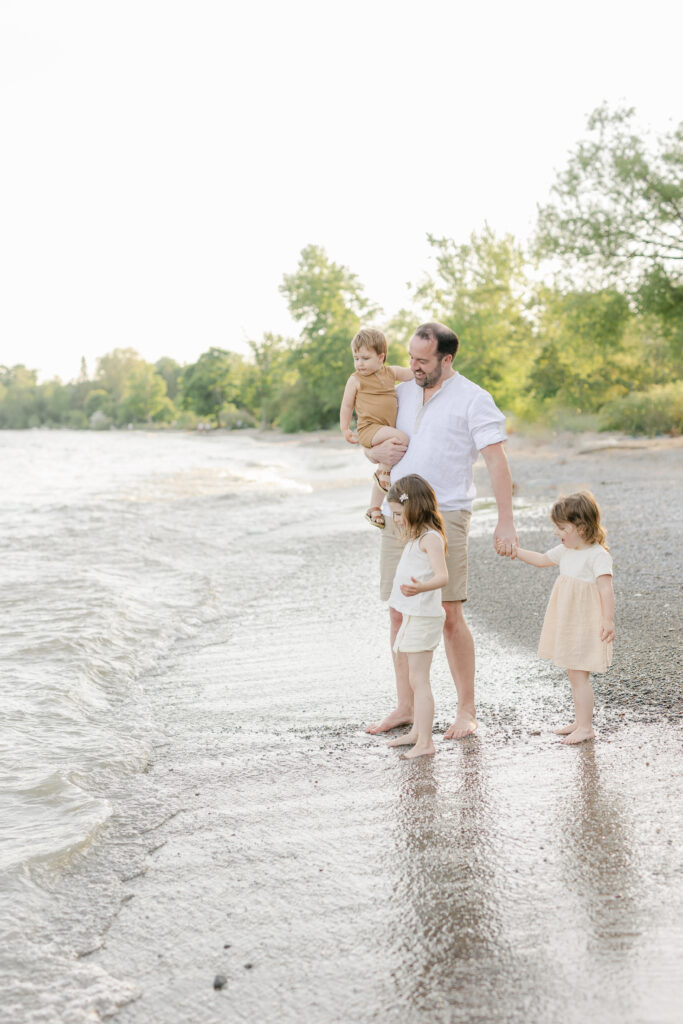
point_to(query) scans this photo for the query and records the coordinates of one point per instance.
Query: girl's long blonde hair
(582, 510)
(420, 510)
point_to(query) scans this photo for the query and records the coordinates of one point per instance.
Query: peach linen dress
(570, 637)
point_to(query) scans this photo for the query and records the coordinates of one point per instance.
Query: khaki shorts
(457, 525)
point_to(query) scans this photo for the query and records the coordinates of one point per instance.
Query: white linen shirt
(446, 435)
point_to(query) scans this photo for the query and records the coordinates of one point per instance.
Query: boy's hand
(608, 631)
(411, 589)
(350, 436)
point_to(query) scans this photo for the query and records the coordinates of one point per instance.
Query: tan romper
(376, 403)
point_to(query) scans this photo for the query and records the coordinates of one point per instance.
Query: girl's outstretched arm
(432, 545)
(607, 601)
(532, 558)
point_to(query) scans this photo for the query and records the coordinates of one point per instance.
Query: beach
(258, 840)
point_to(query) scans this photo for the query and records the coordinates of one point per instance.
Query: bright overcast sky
(163, 162)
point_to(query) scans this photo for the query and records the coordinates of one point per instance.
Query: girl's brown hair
(582, 511)
(420, 510)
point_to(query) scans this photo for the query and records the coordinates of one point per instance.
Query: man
(449, 421)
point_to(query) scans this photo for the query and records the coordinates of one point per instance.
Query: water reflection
(599, 864)
(445, 879)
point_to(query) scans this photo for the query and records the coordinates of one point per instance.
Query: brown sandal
(377, 519)
(383, 479)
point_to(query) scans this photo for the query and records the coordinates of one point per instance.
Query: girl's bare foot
(423, 751)
(580, 735)
(564, 730)
(401, 741)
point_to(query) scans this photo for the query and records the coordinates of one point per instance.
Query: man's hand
(505, 539)
(388, 453)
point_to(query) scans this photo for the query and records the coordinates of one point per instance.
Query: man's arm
(504, 536)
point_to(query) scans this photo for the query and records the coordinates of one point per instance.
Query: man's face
(425, 363)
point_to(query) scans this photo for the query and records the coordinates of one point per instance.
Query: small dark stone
(227, 945)
(219, 981)
(248, 967)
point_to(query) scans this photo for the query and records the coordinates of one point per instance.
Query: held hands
(608, 631)
(412, 588)
(350, 436)
(505, 540)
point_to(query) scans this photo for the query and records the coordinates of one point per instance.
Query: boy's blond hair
(371, 338)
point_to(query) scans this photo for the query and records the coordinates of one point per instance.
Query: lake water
(191, 645)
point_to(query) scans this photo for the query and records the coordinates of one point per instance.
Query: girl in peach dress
(578, 628)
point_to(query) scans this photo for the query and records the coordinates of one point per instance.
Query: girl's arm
(346, 411)
(607, 601)
(533, 558)
(433, 547)
(402, 372)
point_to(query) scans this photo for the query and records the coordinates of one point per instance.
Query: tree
(328, 301)
(213, 381)
(617, 217)
(114, 369)
(481, 291)
(171, 372)
(269, 376)
(144, 396)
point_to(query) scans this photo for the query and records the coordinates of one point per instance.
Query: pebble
(219, 981)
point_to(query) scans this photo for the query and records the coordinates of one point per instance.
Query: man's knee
(455, 618)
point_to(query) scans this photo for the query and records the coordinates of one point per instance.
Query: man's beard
(430, 379)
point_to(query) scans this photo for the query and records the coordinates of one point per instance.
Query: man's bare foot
(580, 735)
(392, 721)
(424, 751)
(408, 738)
(464, 725)
(564, 730)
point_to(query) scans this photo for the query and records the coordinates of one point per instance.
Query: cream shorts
(419, 633)
(457, 525)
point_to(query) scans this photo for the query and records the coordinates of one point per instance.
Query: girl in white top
(416, 593)
(578, 628)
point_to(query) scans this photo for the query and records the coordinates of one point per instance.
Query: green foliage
(114, 369)
(144, 396)
(480, 290)
(328, 301)
(657, 411)
(617, 218)
(268, 378)
(212, 382)
(171, 372)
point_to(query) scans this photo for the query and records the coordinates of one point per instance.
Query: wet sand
(508, 879)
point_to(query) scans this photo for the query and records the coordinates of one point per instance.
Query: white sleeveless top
(415, 562)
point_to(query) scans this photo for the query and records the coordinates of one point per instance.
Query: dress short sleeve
(602, 563)
(555, 554)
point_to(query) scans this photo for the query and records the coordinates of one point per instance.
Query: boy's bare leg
(459, 646)
(582, 693)
(403, 713)
(377, 495)
(424, 704)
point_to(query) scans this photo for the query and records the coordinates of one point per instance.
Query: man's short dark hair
(447, 341)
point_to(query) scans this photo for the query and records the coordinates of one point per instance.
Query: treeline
(599, 339)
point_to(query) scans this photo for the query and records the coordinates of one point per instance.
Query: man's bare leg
(459, 646)
(403, 712)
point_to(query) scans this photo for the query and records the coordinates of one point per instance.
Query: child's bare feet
(408, 738)
(392, 721)
(564, 730)
(580, 735)
(419, 751)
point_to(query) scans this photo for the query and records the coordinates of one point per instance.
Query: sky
(164, 162)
